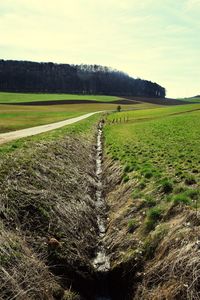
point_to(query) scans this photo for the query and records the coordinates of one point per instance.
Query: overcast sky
(151, 39)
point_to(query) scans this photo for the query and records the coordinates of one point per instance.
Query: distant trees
(25, 76)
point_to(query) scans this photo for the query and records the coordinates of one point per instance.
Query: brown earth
(159, 101)
(125, 100)
(58, 102)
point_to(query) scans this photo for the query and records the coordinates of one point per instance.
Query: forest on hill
(25, 76)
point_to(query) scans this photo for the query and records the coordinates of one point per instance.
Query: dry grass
(46, 192)
(22, 274)
(174, 273)
(13, 117)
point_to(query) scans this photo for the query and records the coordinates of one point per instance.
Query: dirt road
(14, 135)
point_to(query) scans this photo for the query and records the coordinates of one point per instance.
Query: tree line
(25, 76)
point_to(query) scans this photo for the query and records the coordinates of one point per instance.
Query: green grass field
(191, 99)
(14, 117)
(159, 150)
(26, 97)
(160, 112)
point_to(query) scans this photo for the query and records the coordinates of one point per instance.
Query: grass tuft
(181, 199)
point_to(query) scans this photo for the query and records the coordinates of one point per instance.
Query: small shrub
(190, 179)
(168, 198)
(179, 189)
(69, 295)
(150, 201)
(157, 174)
(115, 158)
(128, 168)
(148, 174)
(153, 241)
(153, 216)
(192, 194)
(137, 194)
(142, 185)
(58, 291)
(126, 178)
(166, 186)
(43, 212)
(132, 225)
(181, 198)
(179, 173)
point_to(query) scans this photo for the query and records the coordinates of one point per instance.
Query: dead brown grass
(22, 274)
(46, 193)
(174, 273)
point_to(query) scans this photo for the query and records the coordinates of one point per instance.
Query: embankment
(161, 262)
(48, 227)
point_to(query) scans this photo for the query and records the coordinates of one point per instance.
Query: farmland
(159, 112)
(13, 117)
(194, 99)
(158, 147)
(23, 110)
(34, 97)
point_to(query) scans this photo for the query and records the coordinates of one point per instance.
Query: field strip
(13, 135)
(143, 119)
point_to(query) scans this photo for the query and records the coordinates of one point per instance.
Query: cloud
(150, 39)
(192, 4)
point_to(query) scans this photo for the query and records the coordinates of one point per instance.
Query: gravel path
(14, 135)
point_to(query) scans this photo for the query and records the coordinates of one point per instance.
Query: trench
(109, 284)
(101, 262)
(100, 282)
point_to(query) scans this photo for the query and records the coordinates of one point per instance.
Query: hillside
(25, 76)
(46, 195)
(195, 99)
(50, 228)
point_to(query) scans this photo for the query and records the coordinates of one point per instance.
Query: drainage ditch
(97, 280)
(109, 284)
(101, 262)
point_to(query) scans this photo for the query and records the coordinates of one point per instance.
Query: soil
(158, 101)
(59, 102)
(125, 100)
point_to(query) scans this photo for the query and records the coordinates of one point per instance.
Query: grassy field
(161, 153)
(191, 99)
(19, 117)
(158, 112)
(28, 97)
(155, 206)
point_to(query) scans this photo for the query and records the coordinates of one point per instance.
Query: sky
(150, 39)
